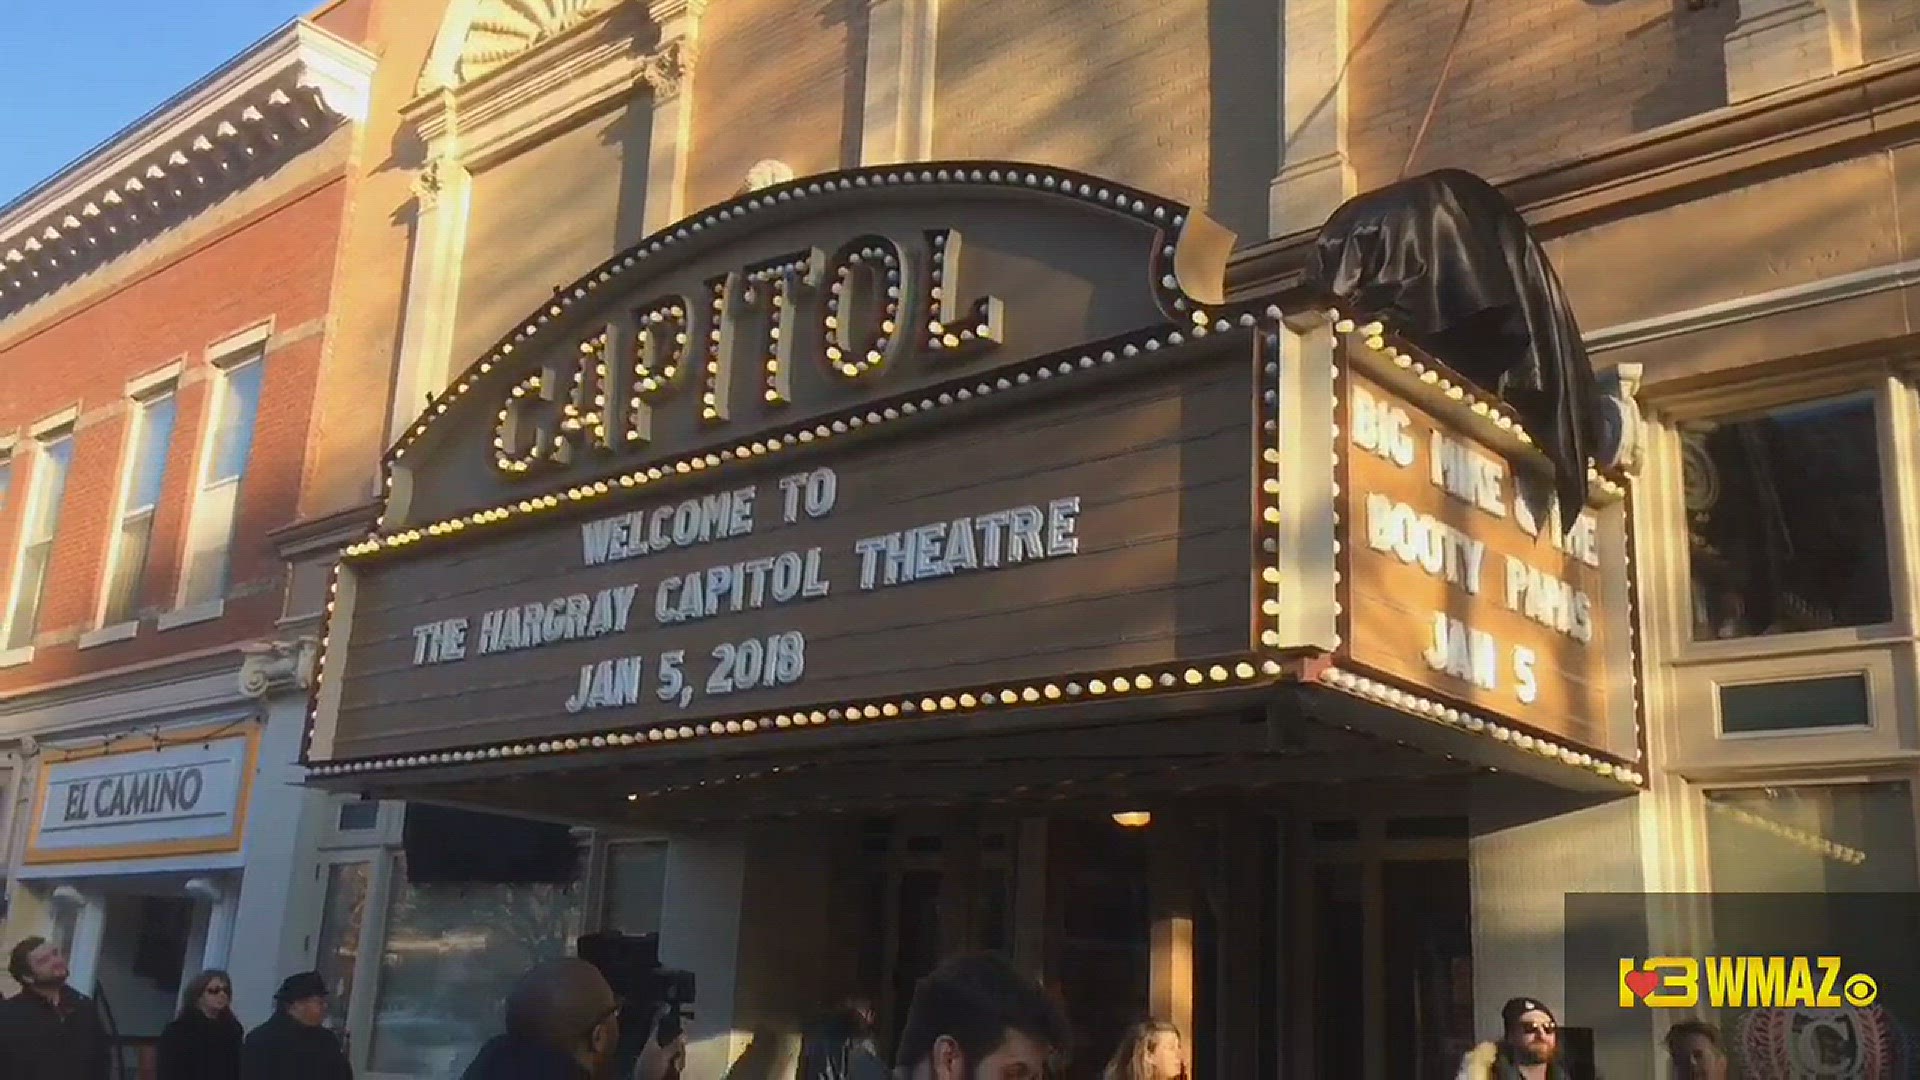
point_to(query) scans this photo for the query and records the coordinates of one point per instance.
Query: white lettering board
(185, 798)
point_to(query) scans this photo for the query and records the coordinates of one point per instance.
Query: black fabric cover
(445, 845)
(1447, 262)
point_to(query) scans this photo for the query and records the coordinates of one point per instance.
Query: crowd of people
(974, 1017)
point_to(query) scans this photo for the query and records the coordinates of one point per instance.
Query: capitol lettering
(857, 313)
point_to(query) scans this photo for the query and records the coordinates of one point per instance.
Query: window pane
(233, 438)
(1812, 838)
(6, 481)
(451, 954)
(129, 564)
(1838, 701)
(206, 571)
(49, 488)
(358, 816)
(337, 953)
(1784, 521)
(636, 880)
(153, 435)
(24, 619)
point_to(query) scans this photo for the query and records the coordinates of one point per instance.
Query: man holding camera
(563, 1023)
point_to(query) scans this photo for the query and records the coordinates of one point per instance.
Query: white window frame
(1860, 775)
(381, 848)
(143, 394)
(42, 435)
(204, 521)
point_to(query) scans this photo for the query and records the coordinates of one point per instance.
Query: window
(636, 882)
(149, 436)
(337, 952)
(358, 816)
(1784, 520)
(451, 953)
(1837, 701)
(236, 405)
(1812, 838)
(47, 489)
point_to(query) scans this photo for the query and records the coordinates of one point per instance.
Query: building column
(1781, 43)
(1170, 888)
(668, 73)
(897, 115)
(700, 932)
(89, 931)
(443, 195)
(1315, 173)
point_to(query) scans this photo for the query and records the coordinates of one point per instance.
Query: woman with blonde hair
(1150, 1050)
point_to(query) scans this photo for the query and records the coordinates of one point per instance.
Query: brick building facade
(164, 319)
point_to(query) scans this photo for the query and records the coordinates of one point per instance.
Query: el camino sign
(186, 797)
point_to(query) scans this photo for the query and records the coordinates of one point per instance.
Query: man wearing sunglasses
(1529, 1049)
(563, 1023)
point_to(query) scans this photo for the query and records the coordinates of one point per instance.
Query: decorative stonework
(667, 69)
(766, 174)
(427, 185)
(503, 29)
(265, 108)
(274, 667)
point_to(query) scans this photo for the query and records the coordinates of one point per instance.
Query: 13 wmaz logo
(1743, 982)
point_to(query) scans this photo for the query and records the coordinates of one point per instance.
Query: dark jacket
(41, 1042)
(199, 1047)
(286, 1049)
(516, 1057)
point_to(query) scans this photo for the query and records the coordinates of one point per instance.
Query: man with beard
(49, 1031)
(978, 1018)
(1528, 1050)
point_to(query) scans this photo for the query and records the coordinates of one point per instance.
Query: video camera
(631, 965)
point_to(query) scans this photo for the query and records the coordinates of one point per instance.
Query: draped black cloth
(1451, 265)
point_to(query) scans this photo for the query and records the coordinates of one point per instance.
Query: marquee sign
(927, 439)
(710, 485)
(1458, 579)
(132, 801)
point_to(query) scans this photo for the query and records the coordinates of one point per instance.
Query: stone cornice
(1872, 106)
(279, 98)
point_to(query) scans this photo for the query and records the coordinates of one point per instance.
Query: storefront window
(1784, 521)
(451, 953)
(338, 951)
(1834, 838)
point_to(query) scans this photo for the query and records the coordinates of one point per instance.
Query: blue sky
(76, 71)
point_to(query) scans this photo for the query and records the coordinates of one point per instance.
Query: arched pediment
(478, 36)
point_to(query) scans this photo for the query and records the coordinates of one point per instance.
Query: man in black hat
(293, 1044)
(1529, 1049)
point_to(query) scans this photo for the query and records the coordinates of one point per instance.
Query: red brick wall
(1534, 81)
(274, 266)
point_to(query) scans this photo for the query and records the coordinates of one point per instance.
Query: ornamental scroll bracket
(667, 69)
(1622, 423)
(272, 667)
(428, 184)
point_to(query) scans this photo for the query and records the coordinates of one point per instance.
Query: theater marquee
(906, 445)
(1457, 579)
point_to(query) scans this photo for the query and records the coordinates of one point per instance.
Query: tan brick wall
(1534, 81)
(545, 216)
(776, 80)
(1117, 88)
(1889, 28)
(276, 267)
(351, 397)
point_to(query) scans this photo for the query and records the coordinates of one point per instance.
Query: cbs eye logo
(1743, 982)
